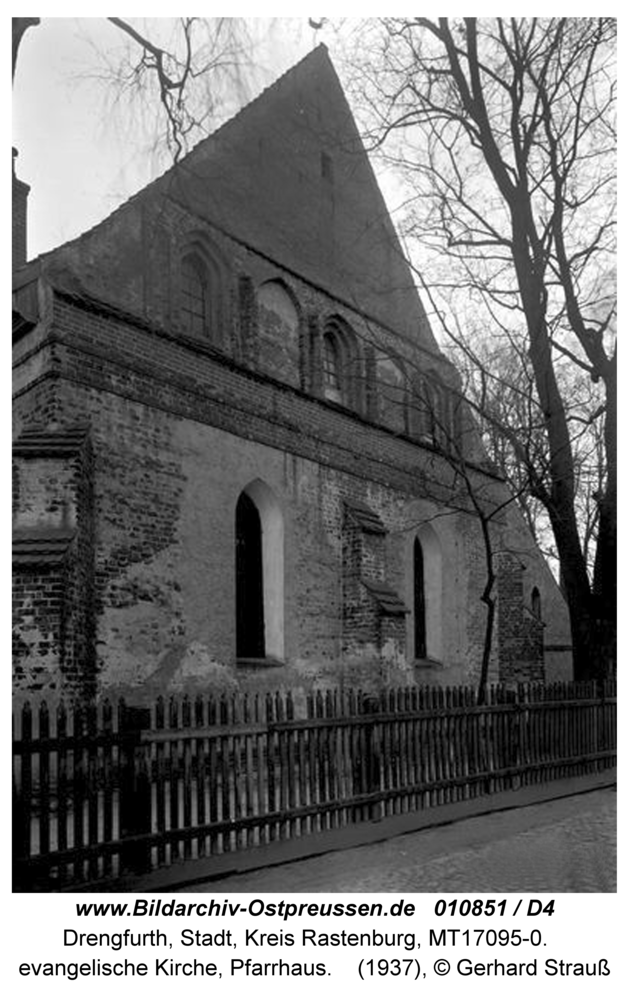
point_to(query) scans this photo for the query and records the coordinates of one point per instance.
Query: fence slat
(97, 792)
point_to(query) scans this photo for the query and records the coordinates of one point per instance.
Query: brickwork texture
(306, 378)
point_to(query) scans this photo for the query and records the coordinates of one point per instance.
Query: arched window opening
(202, 283)
(278, 327)
(391, 393)
(419, 602)
(249, 581)
(340, 363)
(327, 171)
(435, 413)
(194, 295)
(259, 574)
(457, 424)
(438, 416)
(536, 603)
(425, 590)
(420, 410)
(332, 368)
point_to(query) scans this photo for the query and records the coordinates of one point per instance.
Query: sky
(82, 154)
(80, 151)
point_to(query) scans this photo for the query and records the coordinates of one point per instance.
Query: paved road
(568, 845)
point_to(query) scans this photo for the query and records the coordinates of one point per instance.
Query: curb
(313, 845)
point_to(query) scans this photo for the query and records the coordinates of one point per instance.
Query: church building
(241, 461)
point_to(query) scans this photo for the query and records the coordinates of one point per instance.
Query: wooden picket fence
(102, 791)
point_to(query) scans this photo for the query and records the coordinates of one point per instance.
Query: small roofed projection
(260, 492)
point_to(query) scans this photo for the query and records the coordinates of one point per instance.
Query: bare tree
(504, 127)
(470, 496)
(184, 68)
(188, 76)
(498, 382)
(433, 408)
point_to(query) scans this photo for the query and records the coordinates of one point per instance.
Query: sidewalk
(562, 845)
(509, 811)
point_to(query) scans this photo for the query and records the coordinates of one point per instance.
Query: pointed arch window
(259, 574)
(340, 364)
(332, 367)
(392, 393)
(250, 637)
(536, 603)
(425, 590)
(279, 331)
(419, 601)
(194, 295)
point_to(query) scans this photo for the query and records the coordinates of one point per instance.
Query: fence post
(369, 707)
(22, 797)
(135, 789)
(514, 730)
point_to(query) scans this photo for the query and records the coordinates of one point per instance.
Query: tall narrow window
(391, 393)
(332, 379)
(249, 581)
(326, 167)
(278, 325)
(419, 600)
(425, 638)
(342, 373)
(437, 415)
(259, 574)
(536, 603)
(420, 406)
(194, 295)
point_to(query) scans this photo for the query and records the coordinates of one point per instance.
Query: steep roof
(289, 176)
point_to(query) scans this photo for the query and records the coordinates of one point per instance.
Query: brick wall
(520, 632)
(260, 180)
(53, 573)
(178, 431)
(278, 333)
(38, 629)
(283, 213)
(192, 381)
(159, 232)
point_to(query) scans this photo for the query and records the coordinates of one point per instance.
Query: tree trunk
(560, 501)
(605, 565)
